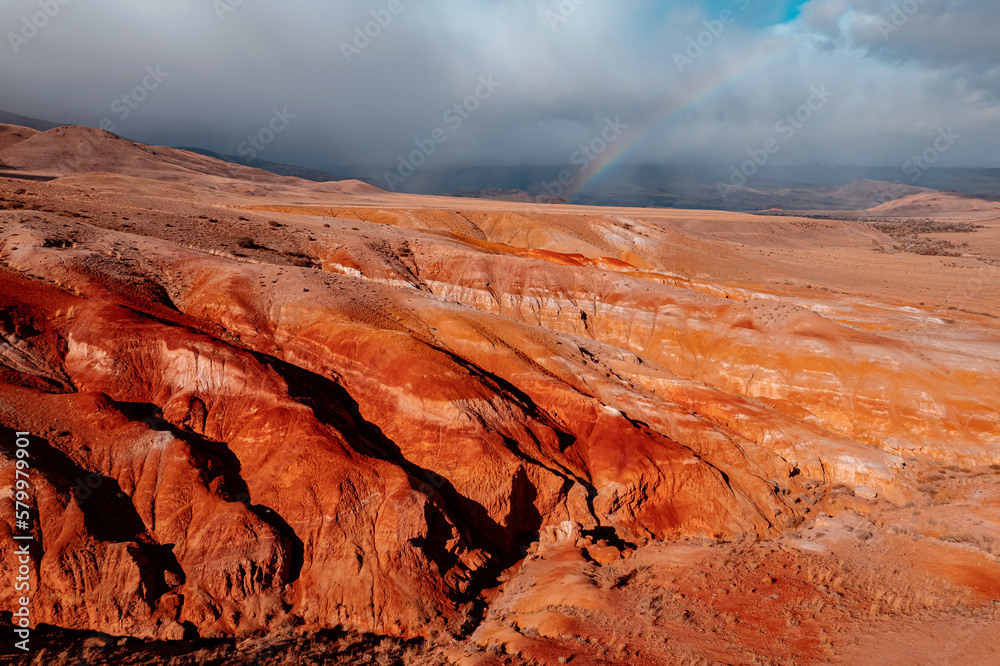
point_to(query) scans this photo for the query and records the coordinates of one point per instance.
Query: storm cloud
(366, 82)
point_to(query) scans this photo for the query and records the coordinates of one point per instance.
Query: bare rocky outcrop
(404, 420)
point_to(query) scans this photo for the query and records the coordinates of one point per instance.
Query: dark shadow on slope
(56, 645)
(215, 460)
(333, 405)
(108, 513)
(18, 173)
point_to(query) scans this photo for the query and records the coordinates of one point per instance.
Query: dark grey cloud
(565, 67)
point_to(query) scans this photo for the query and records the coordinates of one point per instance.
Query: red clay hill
(262, 410)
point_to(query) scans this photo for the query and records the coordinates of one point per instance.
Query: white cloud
(605, 60)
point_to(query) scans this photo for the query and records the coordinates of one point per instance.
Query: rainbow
(704, 88)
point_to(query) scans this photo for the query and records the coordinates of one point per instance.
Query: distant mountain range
(317, 175)
(8, 118)
(711, 187)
